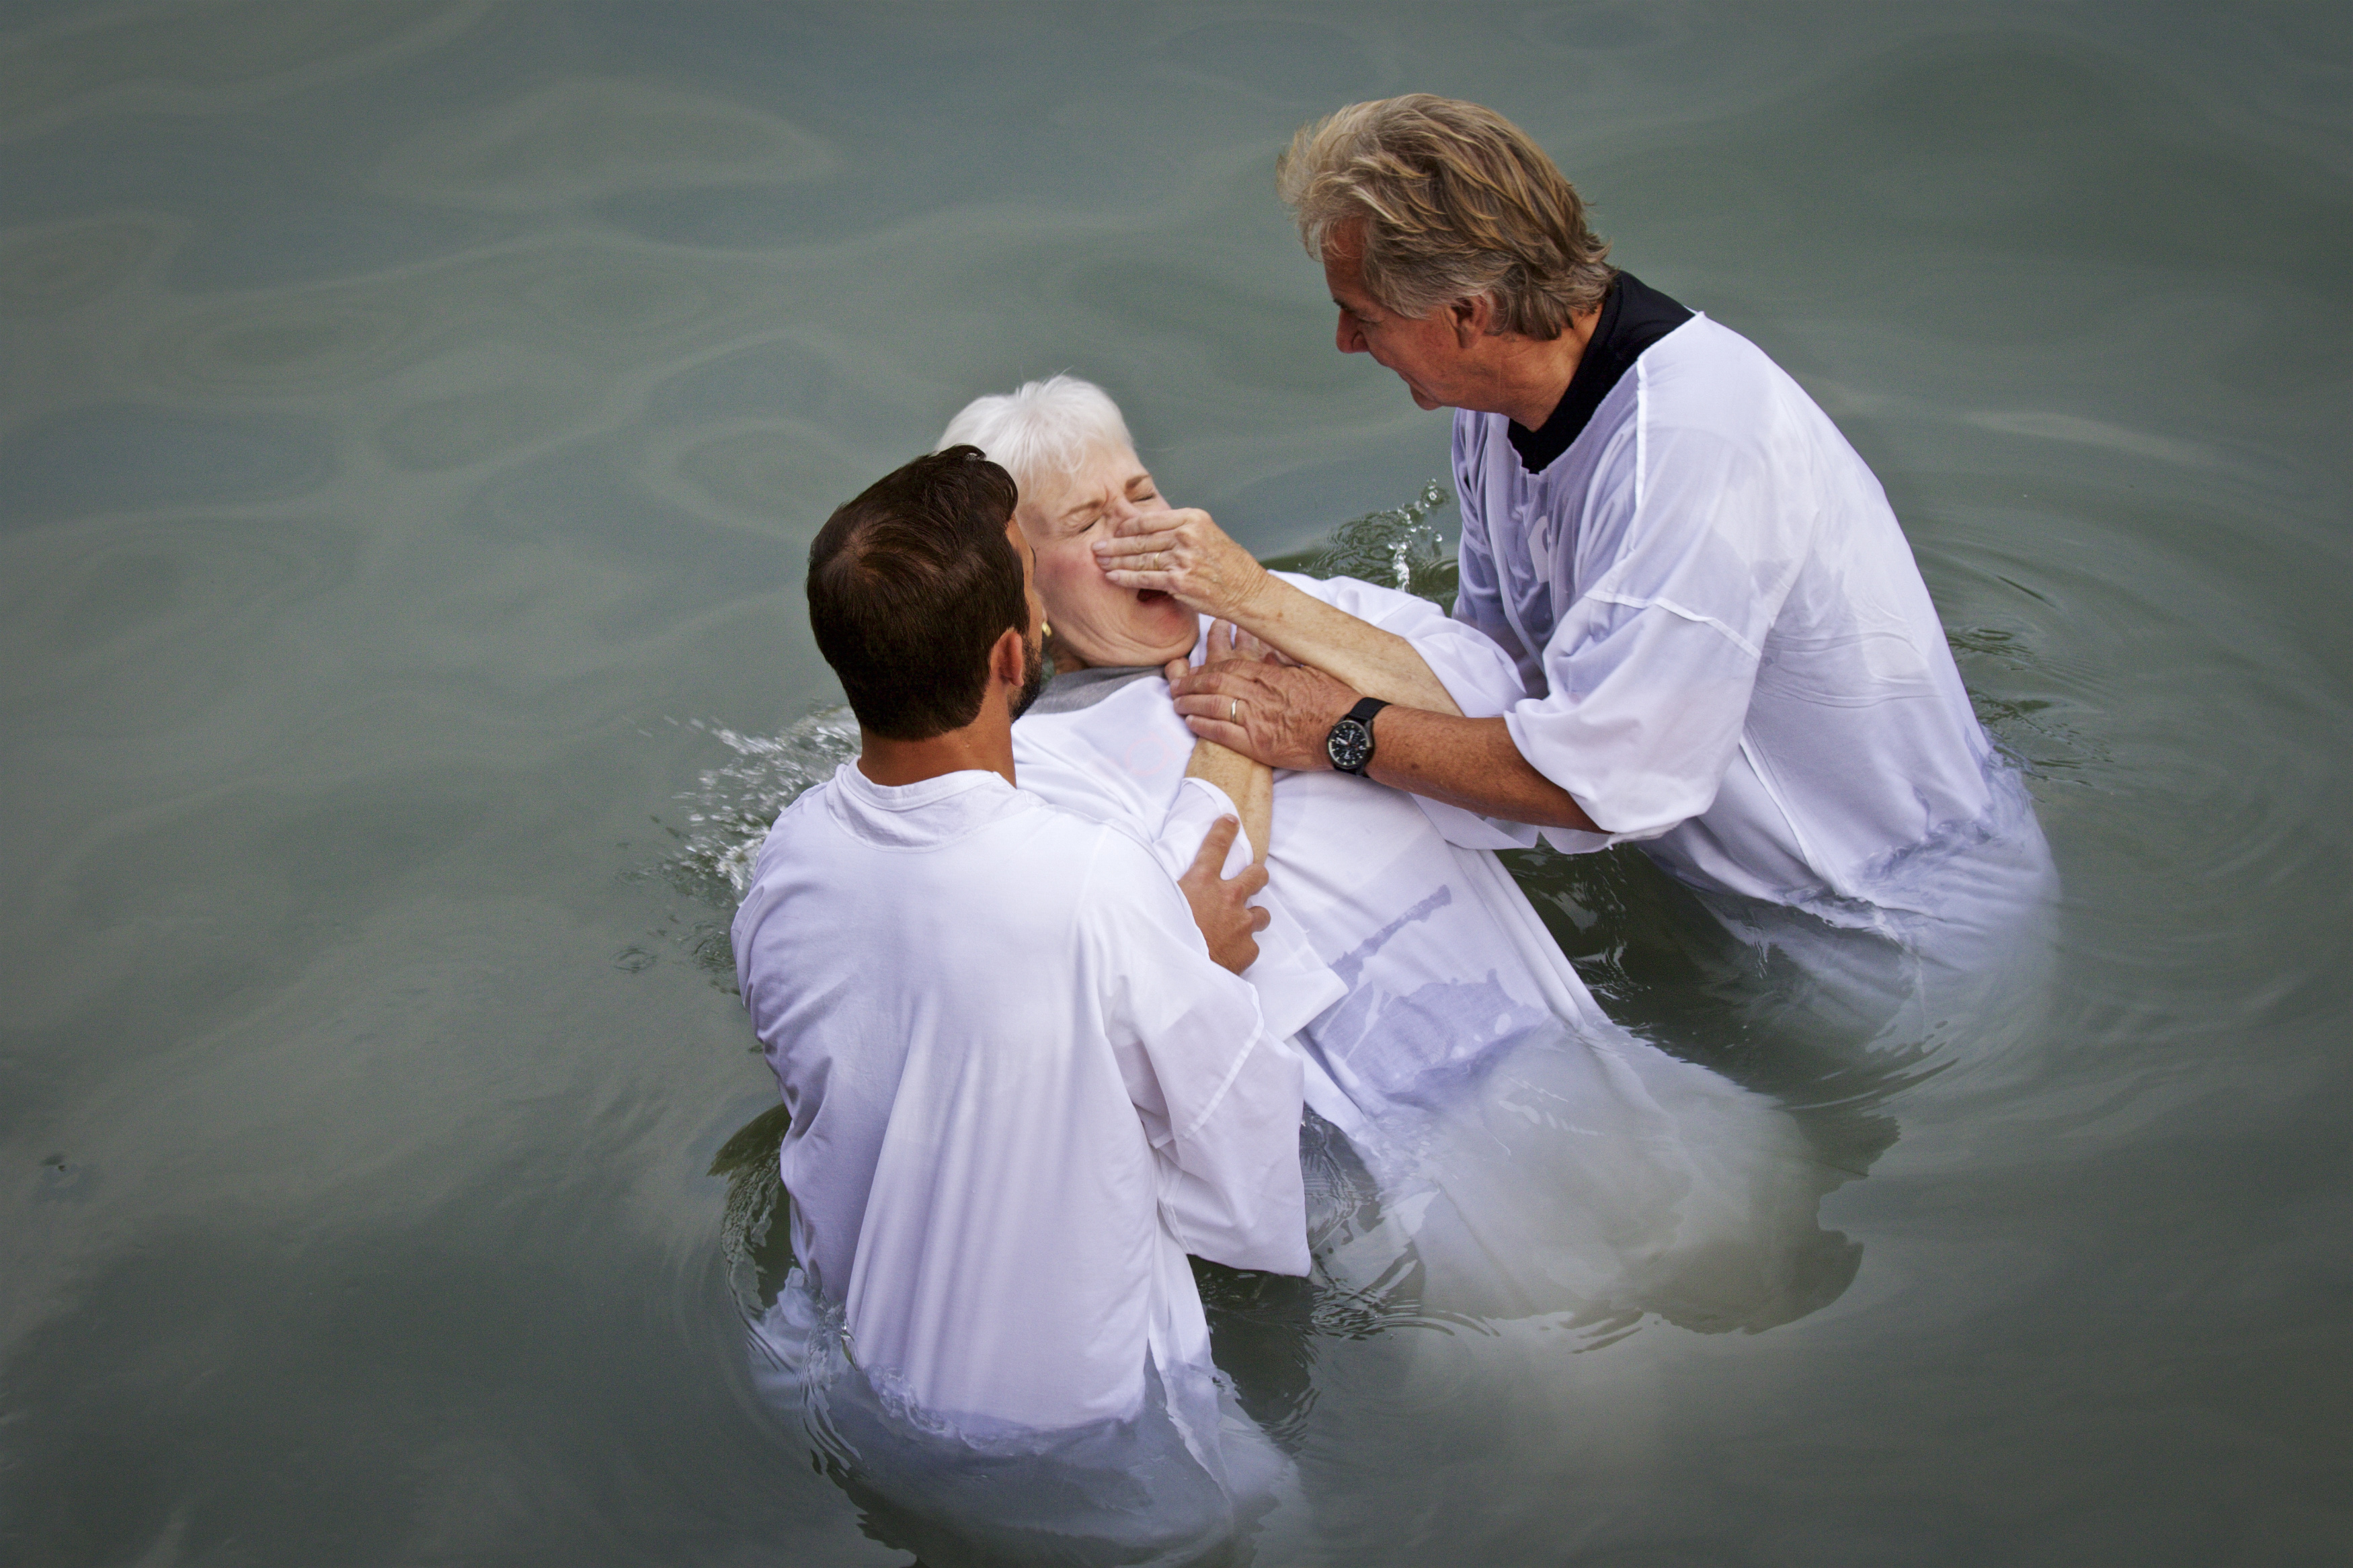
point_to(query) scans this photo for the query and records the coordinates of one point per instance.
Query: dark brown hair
(911, 584)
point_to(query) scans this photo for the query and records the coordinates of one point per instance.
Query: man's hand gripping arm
(1229, 923)
(1281, 716)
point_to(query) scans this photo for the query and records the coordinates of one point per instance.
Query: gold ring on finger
(1233, 710)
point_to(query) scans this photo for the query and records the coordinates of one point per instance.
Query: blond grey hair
(1444, 201)
(1039, 427)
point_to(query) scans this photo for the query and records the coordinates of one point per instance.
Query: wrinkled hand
(1228, 643)
(1221, 907)
(1271, 713)
(1184, 554)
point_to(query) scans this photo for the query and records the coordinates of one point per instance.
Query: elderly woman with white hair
(1534, 1156)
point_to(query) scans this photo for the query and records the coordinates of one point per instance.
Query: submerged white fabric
(1727, 648)
(1131, 1491)
(1022, 1093)
(1533, 1154)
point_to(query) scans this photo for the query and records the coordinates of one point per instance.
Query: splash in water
(732, 805)
(1398, 547)
(729, 812)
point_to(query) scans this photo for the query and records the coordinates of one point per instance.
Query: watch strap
(1361, 715)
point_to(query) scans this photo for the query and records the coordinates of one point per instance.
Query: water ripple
(128, 456)
(286, 342)
(54, 267)
(583, 140)
(186, 59)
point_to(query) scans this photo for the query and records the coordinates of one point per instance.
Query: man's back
(1007, 1054)
(1730, 651)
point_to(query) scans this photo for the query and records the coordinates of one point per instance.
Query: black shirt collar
(1633, 316)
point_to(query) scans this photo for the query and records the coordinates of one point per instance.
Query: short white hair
(1044, 427)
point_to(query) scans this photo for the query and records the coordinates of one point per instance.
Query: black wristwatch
(1350, 743)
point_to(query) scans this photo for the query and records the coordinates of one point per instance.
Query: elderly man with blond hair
(1728, 652)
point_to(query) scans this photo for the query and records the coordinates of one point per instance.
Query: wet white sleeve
(1218, 1096)
(1478, 598)
(1652, 669)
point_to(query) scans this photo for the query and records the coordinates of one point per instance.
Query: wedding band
(1233, 710)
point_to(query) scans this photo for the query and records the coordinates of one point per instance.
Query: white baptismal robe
(1022, 1093)
(1537, 1155)
(1729, 653)
(1401, 954)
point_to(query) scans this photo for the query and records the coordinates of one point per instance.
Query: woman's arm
(1186, 556)
(1249, 784)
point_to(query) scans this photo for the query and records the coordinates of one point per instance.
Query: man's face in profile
(1422, 350)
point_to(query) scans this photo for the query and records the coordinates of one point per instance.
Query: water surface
(414, 415)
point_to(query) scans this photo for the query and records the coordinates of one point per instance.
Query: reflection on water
(403, 406)
(57, 267)
(583, 141)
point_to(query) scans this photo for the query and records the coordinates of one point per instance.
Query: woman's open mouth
(1149, 595)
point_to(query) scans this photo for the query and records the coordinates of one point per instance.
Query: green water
(414, 415)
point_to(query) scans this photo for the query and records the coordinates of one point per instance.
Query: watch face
(1349, 746)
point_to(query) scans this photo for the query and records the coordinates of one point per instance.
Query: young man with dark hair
(1024, 1084)
(911, 585)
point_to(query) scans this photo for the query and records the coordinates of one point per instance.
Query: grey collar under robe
(1085, 687)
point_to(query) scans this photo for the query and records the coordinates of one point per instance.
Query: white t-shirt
(1728, 651)
(1022, 1093)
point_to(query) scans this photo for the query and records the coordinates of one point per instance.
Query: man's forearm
(1283, 715)
(1356, 653)
(1469, 762)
